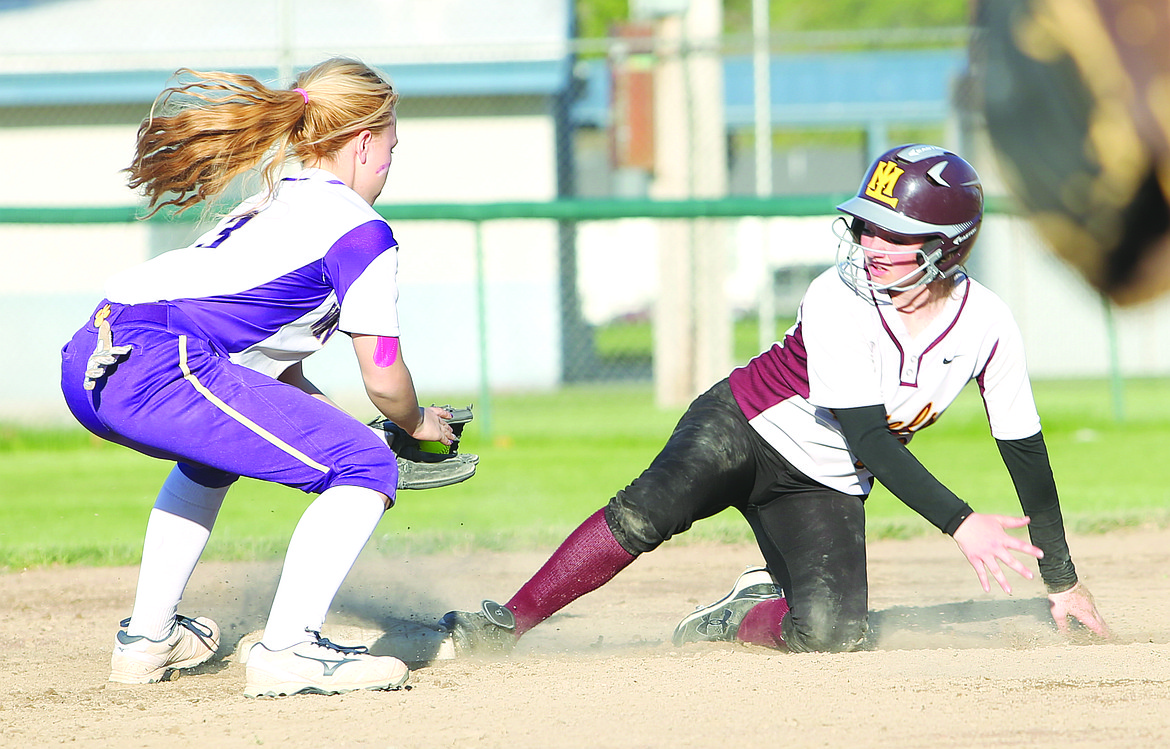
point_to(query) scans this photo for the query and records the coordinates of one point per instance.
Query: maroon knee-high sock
(761, 624)
(587, 559)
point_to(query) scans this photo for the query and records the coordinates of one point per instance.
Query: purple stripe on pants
(261, 428)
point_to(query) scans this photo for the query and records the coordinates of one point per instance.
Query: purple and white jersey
(848, 351)
(278, 276)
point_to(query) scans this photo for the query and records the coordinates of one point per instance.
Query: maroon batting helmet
(920, 192)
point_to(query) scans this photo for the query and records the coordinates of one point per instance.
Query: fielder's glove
(427, 465)
(1075, 109)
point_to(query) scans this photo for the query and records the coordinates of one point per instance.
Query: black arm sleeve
(1027, 462)
(869, 438)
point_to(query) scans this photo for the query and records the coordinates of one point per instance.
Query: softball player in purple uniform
(195, 357)
(794, 440)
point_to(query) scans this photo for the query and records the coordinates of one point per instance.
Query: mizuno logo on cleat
(330, 666)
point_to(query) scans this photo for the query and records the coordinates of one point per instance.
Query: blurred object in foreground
(1076, 94)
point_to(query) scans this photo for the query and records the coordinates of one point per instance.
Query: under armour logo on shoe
(330, 666)
(718, 627)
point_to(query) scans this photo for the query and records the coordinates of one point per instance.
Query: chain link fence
(500, 103)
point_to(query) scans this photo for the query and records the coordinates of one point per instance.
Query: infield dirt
(952, 666)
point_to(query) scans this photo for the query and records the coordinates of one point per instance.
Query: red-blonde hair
(225, 124)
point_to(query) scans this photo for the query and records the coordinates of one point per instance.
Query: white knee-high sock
(176, 534)
(324, 546)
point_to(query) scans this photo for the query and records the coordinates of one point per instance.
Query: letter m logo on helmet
(882, 182)
(918, 191)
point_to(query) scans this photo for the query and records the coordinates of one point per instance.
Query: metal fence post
(485, 400)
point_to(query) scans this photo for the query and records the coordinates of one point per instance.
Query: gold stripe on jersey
(268, 436)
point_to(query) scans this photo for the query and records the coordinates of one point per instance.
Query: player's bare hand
(1077, 602)
(434, 426)
(987, 546)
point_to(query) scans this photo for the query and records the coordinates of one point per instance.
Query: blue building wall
(807, 89)
(817, 89)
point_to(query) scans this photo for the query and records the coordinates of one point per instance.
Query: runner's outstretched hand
(1077, 602)
(986, 544)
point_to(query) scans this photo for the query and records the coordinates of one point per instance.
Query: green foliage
(786, 139)
(595, 18)
(799, 15)
(554, 458)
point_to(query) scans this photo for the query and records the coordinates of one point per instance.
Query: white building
(481, 82)
(495, 108)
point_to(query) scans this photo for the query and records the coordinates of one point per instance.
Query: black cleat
(719, 621)
(488, 631)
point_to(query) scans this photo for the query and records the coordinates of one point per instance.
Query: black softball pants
(811, 537)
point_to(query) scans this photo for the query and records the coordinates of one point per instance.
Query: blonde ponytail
(225, 124)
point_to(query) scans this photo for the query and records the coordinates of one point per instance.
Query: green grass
(1107, 469)
(634, 339)
(555, 458)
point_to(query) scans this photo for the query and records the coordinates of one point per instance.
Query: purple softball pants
(176, 396)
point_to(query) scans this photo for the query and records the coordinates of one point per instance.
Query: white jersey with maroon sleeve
(847, 350)
(279, 275)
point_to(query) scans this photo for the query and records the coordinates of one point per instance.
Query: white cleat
(141, 660)
(320, 667)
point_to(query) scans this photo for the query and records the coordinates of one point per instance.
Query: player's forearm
(898, 470)
(391, 390)
(1031, 472)
(388, 383)
(403, 411)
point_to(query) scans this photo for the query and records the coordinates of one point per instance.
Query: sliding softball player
(794, 440)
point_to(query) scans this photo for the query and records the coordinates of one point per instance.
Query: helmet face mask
(853, 270)
(912, 194)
